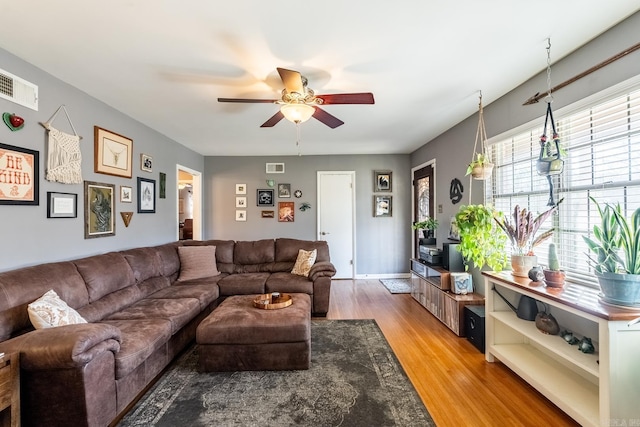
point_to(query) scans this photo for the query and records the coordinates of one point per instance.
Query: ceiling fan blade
(273, 120)
(326, 118)
(347, 98)
(247, 100)
(292, 80)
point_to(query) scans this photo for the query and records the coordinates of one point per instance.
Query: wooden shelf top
(573, 295)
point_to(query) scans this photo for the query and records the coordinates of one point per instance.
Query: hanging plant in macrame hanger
(480, 167)
(550, 162)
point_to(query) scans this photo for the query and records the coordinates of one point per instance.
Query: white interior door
(336, 219)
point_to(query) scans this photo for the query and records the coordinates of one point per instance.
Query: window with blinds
(601, 149)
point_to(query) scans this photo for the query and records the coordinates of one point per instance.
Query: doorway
(423, 199)
(336, 219)
(189, 209)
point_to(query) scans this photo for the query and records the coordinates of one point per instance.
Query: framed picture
(113, 153)
(146, 163)
(381, 181)
(241, 215)
(268, 214)
(241, 202)
(241, 188)
(62, 205)
(286, 212)
(382, 205)
(163, 185)
(264, 197)
(126, 194)
(99, 210)
(284, 191)
(23, 166)
(146, 195)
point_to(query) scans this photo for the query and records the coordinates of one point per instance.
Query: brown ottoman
(237, 336)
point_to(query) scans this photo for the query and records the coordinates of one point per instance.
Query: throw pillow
(197, 262)
(50, 310)
(304, 262)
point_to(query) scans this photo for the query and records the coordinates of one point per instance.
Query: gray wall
(454, 148)
(28, 236)
(383, 245)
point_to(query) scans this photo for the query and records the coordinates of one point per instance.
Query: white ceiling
(165, 62)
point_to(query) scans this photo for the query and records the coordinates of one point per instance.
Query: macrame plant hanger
(64, 159)
(480, 172)
(550, 162)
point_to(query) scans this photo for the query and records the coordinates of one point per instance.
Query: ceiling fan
(299, 102)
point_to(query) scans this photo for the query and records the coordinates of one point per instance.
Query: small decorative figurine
(586, 346)
(536, 273)
(546, 323)
(569, 337)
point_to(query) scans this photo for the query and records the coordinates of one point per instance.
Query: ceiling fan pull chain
(298, 137)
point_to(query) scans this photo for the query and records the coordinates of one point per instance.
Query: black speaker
(474, 325)
(452, 258)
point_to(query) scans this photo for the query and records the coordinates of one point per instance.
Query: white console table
(601, 389)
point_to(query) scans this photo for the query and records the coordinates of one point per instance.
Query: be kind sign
(19, 170)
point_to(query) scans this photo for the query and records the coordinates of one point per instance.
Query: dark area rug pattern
(355, 380)
(397, 286)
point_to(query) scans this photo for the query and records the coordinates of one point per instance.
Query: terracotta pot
(521, 264)
(482, 172)
(554, 278)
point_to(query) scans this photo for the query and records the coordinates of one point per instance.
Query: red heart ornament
(16, 121)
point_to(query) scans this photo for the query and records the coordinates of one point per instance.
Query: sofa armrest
(64, 346)
(322, 269)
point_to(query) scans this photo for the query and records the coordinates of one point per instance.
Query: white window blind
(601, 145)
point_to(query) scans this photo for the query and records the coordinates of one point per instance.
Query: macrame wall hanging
(64, 159)
(550, 162)
(481, 166)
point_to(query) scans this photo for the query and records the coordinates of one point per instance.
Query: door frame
(352, 174)
(196, 196)
(431, 163)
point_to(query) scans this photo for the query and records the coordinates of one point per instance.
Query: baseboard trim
(383, 276)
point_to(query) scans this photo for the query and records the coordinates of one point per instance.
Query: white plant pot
(521, 264)
(482, 172)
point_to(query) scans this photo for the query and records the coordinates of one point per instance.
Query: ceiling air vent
(20, 91)
(275, 167)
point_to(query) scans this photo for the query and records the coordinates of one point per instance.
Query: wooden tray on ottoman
(265, 302)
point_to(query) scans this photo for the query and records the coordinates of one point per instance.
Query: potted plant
(616, 255)
(428, 227)
(480, 241)
(553, 276)
(522, 230)
(481, 167)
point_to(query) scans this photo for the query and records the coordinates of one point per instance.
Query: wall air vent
(20, 91)
(275, 167)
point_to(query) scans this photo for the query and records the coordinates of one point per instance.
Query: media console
(600, 389)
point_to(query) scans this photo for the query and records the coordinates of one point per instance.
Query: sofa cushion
(254, 253)
(243, 284)
(304, 262)
(287, 249)
(169, 259)
(145, 263)
(105, 273)
(139, 339)
(288, 283)
(179, 311)
(50, 311)
(197, 262)
(224, 252)
(110, 304)
(153, 284)
(205, 293)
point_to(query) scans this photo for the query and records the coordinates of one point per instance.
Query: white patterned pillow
(304, 262)
(49, 311)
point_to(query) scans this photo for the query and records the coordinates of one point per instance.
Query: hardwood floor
(456, 384)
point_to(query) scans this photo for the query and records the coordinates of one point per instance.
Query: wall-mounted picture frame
(126, 194)
(99, 210)
(24, 165)
(146, 195)
(286, 212)
(382, 181)
(146, 163)
(284, 191)
(264, 197)
(62, 205)
(382, 206)
(113, 153)
(241, 188)
(162, 179)
(241, 202)
(241, 215)
(268, 214)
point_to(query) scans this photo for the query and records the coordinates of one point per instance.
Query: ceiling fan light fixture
(297, 113)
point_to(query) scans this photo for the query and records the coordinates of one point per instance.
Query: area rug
(397, 286)
(355, 380)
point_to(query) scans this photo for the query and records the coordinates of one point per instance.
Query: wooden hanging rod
(538, 96)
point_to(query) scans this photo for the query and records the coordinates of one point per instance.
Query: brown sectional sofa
(140, 317)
